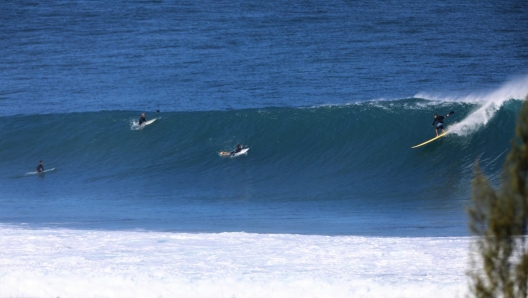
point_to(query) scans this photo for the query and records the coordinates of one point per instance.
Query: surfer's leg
(438, 127)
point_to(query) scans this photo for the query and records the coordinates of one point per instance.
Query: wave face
(345, 169)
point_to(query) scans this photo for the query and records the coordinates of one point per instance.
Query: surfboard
(35, 172)
(225, 153)
(140, 127)
(427, 142)
(149, 122)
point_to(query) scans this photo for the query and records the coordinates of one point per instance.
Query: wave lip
(488, 104)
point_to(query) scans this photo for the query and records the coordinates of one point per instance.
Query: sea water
(330, 200)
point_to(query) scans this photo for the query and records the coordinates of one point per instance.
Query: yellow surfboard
(426, 142)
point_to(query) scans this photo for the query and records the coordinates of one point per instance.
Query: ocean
(329, 97)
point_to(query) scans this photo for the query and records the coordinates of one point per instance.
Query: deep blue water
(328, 95)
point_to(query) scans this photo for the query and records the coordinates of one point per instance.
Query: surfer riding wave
(440, 120)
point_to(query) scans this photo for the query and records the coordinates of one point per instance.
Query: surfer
(142, 119)
(238, 149)
(40, 167)
(234, 152)
(440, 120)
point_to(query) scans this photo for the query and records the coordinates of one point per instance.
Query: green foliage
(499, 219)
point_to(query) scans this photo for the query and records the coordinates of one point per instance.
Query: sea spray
(488, 104)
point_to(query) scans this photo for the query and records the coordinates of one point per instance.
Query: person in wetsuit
(440, 120)
(238, 149)
(142, 119)
(40, 167)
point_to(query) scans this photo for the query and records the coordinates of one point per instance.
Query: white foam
(134, 125)
(76, 263)
(489, 103)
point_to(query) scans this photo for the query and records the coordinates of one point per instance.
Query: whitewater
(80, 263)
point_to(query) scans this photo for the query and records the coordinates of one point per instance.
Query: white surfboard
(225, 153)
(135, 126)
(149, 122)
(35, 172)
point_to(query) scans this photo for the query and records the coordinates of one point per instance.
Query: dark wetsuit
(142, 120)
(238, 149)
(440, 120)
(40, 168)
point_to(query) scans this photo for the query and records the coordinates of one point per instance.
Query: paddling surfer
(40, 167)
(142, 119)
(440, 120)
(232, 153)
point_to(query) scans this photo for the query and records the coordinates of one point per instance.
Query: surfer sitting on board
(40, 167)
(142, 119)
(440, 120)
